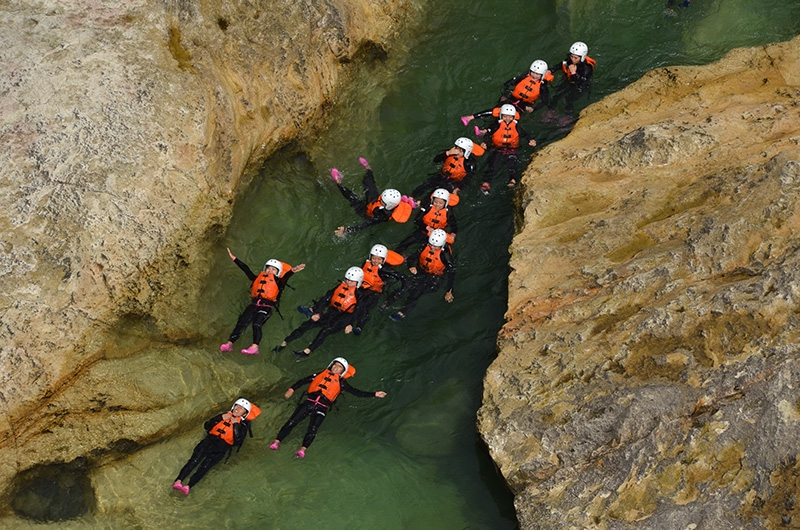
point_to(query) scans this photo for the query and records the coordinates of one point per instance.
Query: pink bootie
(252, 350)
(225, 347)
(465, 120)
(363, 162)
(478, 132)
(180, 487)
(337, 177)
(274, 446)
(301, 453)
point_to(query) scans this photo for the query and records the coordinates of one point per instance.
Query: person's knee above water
(323, 390)
(337, 311)
(376, 207)
(224, 432)
(265, 292)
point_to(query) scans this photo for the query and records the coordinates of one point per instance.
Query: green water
(412, 460)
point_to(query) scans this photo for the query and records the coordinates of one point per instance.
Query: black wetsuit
(371, 194)
(315, 405)
(573, 87)
(420, 235)
(510, 85)
(259, 310)
(368, 299)
(424, 283)
(331, 320)
(442, 178)
(211, 450)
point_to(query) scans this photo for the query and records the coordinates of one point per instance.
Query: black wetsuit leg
(493, 164)
(208, 453)
(333, 323)
(414, 239)
(303, 409)
(317, 417)
(263, 313)
(370, 188)
(358, 205)
(424, 284)
(244, 320)
(302, 328)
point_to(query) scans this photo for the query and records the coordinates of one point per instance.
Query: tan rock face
(127, 128)
(648, 372)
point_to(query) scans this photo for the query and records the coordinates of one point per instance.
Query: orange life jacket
(506, 135)
(372, 278)
(435, 218)
(344, 298)
(529, 88)
(329, 384)
(224, 429)
(400, 214)
(430, 260)
(565, 67)
(453, 168)
(265, 287)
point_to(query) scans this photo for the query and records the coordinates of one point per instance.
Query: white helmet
(244, 404)
(579, 48)
(508, 110)
(465, 144)
(342, 361)
(274, 263)
(379, 250)
(539, 67)
(355, 274)
(391, 198)
(441, 193)
(437, 238)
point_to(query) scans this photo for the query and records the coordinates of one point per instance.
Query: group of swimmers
(347, 305)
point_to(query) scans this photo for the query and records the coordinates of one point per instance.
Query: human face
(337, 368)
(272, 270)
(238, 411)
(376, 260)
(351, 283)
(506, 118)
(535, 76)
(438, 203)
(574, 58)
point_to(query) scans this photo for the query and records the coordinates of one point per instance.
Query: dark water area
(414, 459)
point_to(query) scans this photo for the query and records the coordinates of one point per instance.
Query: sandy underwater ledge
(127, 129)
(649, 369)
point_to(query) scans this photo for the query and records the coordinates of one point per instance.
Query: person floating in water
(524, 91)
(378, 271)
(375, 207)
(323, 390)
(437, 214)
(458, 166)
(265, 293)
(578, 69)
(336, 311)
(432, 264)
(225, 431)
(506, 135)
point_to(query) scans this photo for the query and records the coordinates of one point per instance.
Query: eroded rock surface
(127, 128)
(648, 371)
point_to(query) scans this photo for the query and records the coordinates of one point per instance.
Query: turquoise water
(412, 460)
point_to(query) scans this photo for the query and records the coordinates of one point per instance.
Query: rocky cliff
(127, 128)
(648, 371)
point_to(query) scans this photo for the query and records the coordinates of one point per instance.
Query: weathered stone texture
(648, 370)
(127, 128)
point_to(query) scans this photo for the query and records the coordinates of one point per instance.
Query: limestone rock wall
(127, 128)
(648, 374)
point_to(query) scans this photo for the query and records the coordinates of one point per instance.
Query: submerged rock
(647, 375)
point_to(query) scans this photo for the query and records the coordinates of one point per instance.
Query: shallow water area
(411, 460)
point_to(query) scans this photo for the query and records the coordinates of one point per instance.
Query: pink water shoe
(465, 120)
(337, 177)
(225, 346)
(363, 162)
(252, 350)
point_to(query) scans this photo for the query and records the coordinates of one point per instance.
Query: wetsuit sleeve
(420, 214)
(509, 85)
(452, 224)
(213, 421)
(483, 113)
(544, 97)
(449, 269)
(242, 265)
(583, 76)
(523, 134)
(351, 390)
(441, 157)
(413, 260)
(387, 273)
(380, 215)
(324, 302)
(302, 382)
(285, 278)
